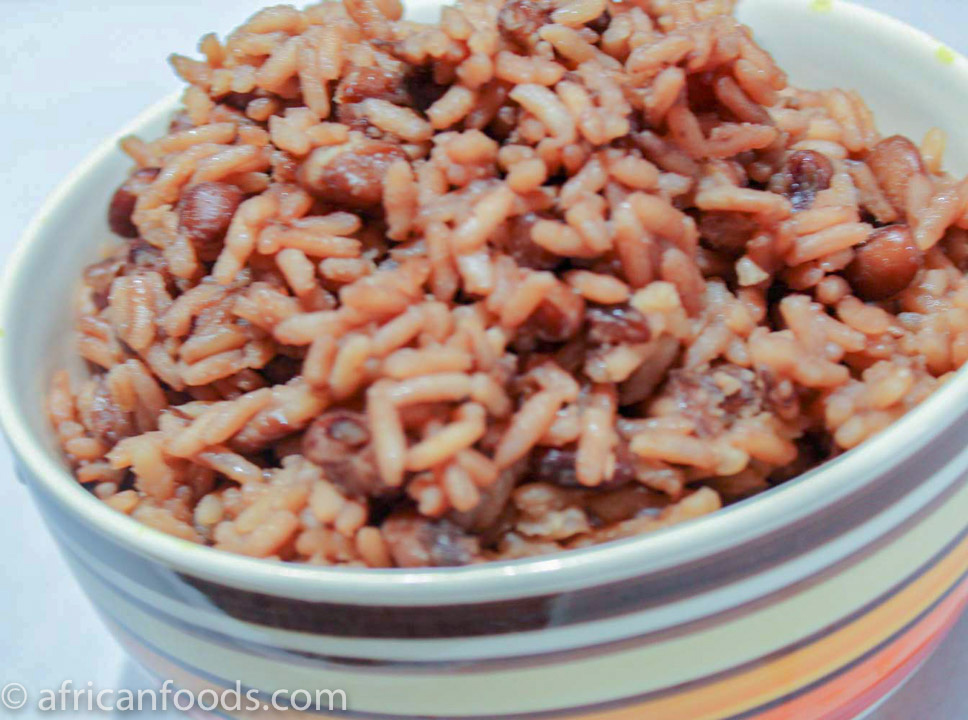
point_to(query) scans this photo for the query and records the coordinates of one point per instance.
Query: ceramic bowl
(811, 601)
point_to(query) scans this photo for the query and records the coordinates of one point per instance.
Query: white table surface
(71, 72)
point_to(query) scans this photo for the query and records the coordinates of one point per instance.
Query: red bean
(137, 256)
(486, 518)
(361, 83)
(205, 212)
(726, 231)
(124, 200)
(698, 395)
(520, 20)
(894, 161)
(557, 320)
(806, 173)
(554, 325)
(349, 429)
(350, 176)
(556, 466)
(143, 256)
(617, 325)
(339, 442)
(885, 264)
(417, 542)
(524, 250)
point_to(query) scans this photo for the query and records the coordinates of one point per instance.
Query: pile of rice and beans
(544, 274)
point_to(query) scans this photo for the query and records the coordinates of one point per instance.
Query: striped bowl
(812, 601)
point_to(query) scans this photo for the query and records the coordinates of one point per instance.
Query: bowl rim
(493, 581)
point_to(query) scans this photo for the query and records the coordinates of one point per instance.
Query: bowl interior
(910, 81)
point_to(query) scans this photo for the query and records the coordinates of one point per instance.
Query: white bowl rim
(490, 581)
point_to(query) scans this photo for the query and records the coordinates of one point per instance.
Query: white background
(71, 73)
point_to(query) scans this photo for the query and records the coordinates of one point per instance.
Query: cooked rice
(544, 275)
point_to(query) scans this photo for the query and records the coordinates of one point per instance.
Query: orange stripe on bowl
(886, 686)
(751, 689)
(843, 697)
(862, 682)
